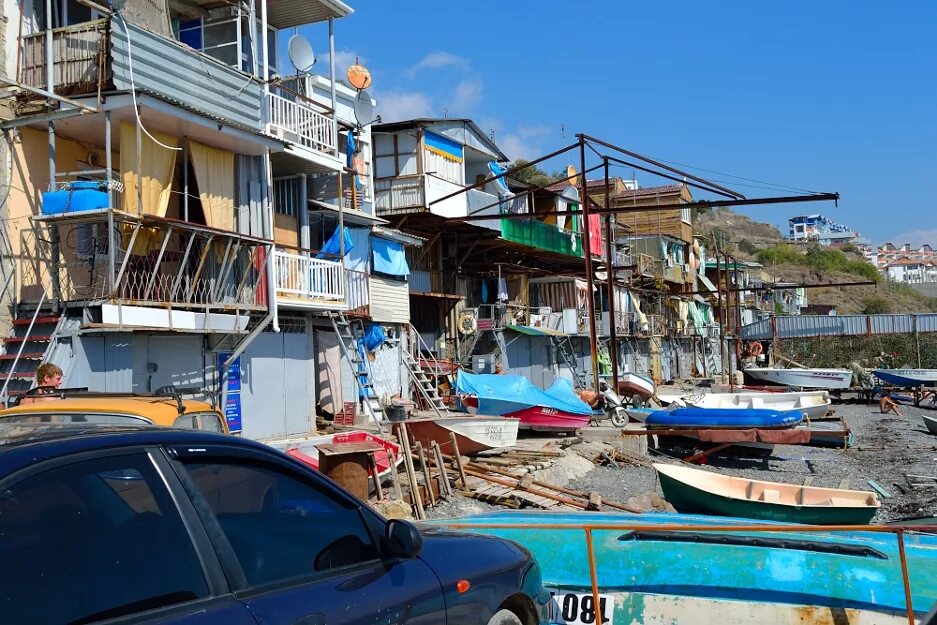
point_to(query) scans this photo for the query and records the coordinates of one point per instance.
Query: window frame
(229, 454)
(212, 571)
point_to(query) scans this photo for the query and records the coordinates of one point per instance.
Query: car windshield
(73, 418)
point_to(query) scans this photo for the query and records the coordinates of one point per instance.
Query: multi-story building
(821, 229)
(911, 271)
(175, 217)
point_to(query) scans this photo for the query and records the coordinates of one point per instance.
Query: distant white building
(911, 271)
(820, 229)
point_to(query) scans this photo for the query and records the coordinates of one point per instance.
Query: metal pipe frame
(226, 270)
(159, 259)
(182, 265)
(609, 262)
(198, 269)
(222, 267)
(587, 256)
(760, 289)
(123, 264)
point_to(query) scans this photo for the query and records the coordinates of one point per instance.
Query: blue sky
(826, 96)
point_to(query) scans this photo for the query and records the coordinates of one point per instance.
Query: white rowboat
(473, 434)
(803, 378)
(814, 404)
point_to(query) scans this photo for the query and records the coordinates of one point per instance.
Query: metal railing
(298, 121)
(155, 263)
(309, 278)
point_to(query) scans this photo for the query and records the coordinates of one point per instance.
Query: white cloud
(437, 60)
(524, 142)
(466, 95)
(916, 238)
(395, 106)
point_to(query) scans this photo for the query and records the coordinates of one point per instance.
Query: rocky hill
(748, 239)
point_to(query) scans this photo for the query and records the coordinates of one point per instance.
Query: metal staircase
(348, 333)
(564, 346)
(425, 384)
(28, 346)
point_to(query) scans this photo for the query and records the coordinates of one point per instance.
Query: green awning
(532, 331)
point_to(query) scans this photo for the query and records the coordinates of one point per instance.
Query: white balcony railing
(299, 122)
(311, 279)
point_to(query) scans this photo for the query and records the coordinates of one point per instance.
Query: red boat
(305, 450)
(543, 419)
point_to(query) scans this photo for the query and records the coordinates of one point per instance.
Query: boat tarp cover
(500, 394)
(724, 417)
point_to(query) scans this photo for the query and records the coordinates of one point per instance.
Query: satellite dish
(364, 108)
(300, 53)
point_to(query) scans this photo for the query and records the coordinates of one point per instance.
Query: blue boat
(725, 577)
(907, 378)
(723, 418)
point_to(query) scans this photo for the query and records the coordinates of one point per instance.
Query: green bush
(748, 247)
(875, 305)
(819, 259)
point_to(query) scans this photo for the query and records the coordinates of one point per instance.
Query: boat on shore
(803, 378)
(930, 423)
(473, 434)
(722, 418)
(648, 574)
(813, 404)
(907, 378)
(631, 384)
(304, 449)
(706, 492)
(556, 409)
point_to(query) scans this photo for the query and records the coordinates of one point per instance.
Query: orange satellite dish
(573, 179)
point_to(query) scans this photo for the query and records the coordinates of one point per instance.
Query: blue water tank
(81, 195)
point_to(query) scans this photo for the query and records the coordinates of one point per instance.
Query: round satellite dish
(601, 275)
(364, 108)
(300, 52)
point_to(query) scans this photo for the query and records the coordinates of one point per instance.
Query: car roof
(21, 447)
(160, 410)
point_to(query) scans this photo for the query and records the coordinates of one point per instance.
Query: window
(685, 216)
(395, 155)
(208, 421)
(225, 35)
(93, 540)
(281, 528)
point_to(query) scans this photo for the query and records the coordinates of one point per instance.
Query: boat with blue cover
(723, 418)
(724, 577)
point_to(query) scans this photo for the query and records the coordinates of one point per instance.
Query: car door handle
(311, 619)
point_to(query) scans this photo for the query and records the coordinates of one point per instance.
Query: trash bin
(395, 414)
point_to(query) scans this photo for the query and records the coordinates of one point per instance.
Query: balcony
(304, 282)
(145, 271)
(95, 57)
(538, 234)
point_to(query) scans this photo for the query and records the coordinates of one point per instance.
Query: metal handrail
(588, 528)
(29, 330)
(420, 344)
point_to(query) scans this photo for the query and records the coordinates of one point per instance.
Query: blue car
(146, 525)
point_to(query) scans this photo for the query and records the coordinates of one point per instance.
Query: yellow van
(117, 409)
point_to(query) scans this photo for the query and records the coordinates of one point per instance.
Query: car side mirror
(403, 538)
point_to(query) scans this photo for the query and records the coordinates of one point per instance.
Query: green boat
(693, 490)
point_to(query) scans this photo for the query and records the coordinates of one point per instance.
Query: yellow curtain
(214, 173)
(158, 165)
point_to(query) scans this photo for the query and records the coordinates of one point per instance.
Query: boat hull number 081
(579, 609)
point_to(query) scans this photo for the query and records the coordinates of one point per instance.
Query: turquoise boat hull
(858, 571)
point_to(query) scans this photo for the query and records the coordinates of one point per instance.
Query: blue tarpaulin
(331, 247)
(504, 394)
(388, 258)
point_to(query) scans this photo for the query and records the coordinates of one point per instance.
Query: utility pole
(587, 253)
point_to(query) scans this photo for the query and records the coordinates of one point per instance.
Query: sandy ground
(887, 448)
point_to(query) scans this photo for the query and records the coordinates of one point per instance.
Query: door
(101, 538)
(303, 552)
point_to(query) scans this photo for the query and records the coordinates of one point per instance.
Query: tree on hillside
(876, 305)
(533, 175)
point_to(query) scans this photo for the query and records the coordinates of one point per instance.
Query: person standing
(48, 379)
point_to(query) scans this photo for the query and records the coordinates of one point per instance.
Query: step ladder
(425, 384)
(348, 333)
(564, 346)
(27, 347)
